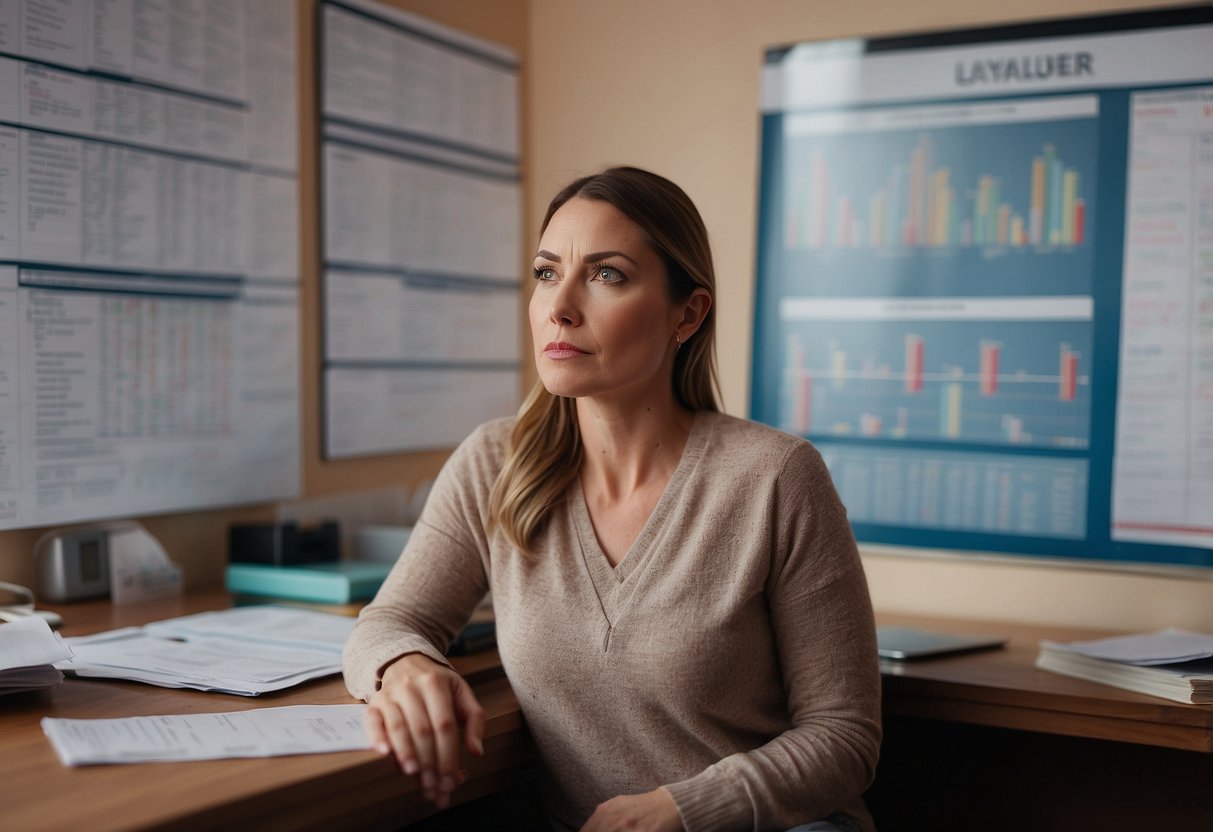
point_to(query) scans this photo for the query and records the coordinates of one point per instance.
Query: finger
(396, 730)
(439, 701)
(421, 731)
(438, 692)
(375, 731)
(472, 716)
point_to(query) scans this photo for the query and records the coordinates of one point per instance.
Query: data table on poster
(422, 231)
(148, 257)
(986, 283)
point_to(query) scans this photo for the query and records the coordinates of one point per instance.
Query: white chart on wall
(148, 257)
(422, 227)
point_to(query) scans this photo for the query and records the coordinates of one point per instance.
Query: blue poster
(983, 286)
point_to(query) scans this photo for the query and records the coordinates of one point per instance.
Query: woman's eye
(544, 273)
(606, 274)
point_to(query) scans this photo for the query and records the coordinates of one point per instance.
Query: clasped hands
(416, 716)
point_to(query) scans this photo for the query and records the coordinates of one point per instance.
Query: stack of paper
(28, 649)
(245, 651)
(1173, 664)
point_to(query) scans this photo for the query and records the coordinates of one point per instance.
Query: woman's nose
(565, 309)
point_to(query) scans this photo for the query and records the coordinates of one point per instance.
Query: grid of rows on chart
(986, 493)
(1163, 466)
(1011, 371)
(981, 175)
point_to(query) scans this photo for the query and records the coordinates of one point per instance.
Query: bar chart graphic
(940, 198)
(987, 382)
(920, 203)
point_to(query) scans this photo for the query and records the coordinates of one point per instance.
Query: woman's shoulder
(757, 452)
(493, 434)
(485, 448)
(732, 433)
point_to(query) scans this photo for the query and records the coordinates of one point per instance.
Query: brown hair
(545, 448)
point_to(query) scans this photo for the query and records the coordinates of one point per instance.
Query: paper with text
(265, 732)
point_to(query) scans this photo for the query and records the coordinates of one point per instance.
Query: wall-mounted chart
(422, 230)
(948, 369)
(985, 282)
(149, 257)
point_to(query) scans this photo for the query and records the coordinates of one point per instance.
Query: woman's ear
(694, 313)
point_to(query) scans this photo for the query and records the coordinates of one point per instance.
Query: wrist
(409, 664)
(672, 819)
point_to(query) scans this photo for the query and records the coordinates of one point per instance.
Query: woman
(680, 606)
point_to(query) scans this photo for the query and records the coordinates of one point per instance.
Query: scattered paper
(211, 664)
(30, 641)
(268, 624)
(245, 651)
(1168, 646)
(28, 649)
(264, 732)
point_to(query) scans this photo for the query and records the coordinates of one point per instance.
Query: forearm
(803, 774)
(426, 599)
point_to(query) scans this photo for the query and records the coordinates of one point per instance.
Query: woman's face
(602, 320)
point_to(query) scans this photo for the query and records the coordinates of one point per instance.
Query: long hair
(545, 448)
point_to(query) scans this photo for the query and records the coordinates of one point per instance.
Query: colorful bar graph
(986, 384)
(920, 205)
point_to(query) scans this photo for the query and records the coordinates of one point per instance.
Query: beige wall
(672, 85)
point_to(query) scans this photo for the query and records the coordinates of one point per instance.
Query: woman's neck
(627, 449)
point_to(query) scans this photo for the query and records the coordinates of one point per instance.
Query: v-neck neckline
(611, 582)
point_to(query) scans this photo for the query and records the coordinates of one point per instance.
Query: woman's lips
(561, 350)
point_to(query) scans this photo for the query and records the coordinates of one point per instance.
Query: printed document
(265, 732)
(245, 651)
(269, 624)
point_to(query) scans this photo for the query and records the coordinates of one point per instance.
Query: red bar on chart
(1069, 374)
(915, 349)
(804, 401)
(990, 351)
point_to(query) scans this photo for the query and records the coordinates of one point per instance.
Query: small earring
(677, 343)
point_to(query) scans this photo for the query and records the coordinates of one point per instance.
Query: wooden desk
(983, 741)
(986, 741)
(351, 790)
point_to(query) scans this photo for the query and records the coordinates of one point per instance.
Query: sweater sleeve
(441, 575)
(825, 637)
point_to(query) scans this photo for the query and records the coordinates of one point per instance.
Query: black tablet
(903, 643)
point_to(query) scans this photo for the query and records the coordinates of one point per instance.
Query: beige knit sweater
(730, 656)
